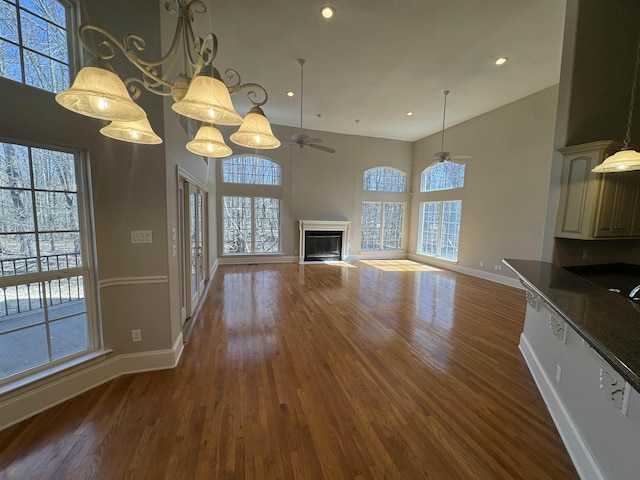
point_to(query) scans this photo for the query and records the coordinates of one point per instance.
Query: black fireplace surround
(322, 245)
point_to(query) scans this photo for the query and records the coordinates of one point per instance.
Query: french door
(195, 239)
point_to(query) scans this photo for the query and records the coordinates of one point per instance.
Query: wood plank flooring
(368, 370)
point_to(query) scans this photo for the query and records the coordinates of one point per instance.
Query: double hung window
(44, 262)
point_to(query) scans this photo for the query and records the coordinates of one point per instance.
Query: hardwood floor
(366, 370)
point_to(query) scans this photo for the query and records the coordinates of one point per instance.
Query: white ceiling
(377, 59)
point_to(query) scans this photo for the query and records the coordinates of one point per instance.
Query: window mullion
(439, 232)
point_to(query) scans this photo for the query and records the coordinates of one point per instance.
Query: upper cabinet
(596, 205)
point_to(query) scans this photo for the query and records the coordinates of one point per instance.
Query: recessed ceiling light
(409, 114)
(327, 11)
(501, 60)
(290, 93)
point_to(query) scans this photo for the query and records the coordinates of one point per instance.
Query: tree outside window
(43, 266)
(34, 43)
(382, 222)
(251, 223)
(440, 229)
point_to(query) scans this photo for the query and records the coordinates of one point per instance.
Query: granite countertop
(610, 323)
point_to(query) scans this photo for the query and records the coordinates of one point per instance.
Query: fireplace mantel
(320, 226)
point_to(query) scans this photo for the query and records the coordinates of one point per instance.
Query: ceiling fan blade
(321, 147)
(461, 157)
(299, 137)
(313, 140)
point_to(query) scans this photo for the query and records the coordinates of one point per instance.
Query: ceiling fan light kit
(98, 92)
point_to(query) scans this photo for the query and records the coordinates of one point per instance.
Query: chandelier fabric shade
(138, 131)
(99, 93)
(208, 142)
(255, 131)
(208, 100)
(622, 161)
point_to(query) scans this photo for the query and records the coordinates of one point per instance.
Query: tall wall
(504, 199)
(320, 185)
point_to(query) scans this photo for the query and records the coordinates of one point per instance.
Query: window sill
(51, 371)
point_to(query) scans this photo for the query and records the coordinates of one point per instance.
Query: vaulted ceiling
(375, 60)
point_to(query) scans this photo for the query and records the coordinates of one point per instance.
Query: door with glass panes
(196, 241)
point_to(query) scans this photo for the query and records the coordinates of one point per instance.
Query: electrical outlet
(558, 373)
(141, 236)
(136, 335)
(481, 264)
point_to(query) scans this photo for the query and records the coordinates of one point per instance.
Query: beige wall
(504, 200)
(320, 185)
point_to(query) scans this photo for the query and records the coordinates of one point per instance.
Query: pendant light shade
(255, 131)
(208, 100)
(209, 143)
(138, 131)
(622, 161)
(99, 93)
(626, 159)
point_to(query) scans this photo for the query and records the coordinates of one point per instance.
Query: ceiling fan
(442, 155)
(300, 139)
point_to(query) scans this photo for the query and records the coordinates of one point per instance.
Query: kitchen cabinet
(595, 205)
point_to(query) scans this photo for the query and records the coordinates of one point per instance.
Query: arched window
(442, 176)
(384, 179)
(250, 169)
(382, 221)
(251, 217)
(34, 43)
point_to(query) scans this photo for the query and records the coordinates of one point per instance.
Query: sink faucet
(634, 292)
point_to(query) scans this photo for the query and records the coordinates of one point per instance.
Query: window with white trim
(439, 230)
(442, 176)
(382, 226)
(382, 219)
(45, 265)
(251, 205)
(35, 43)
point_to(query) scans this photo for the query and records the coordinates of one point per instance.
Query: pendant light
(99, 93)
(208, 142)
(138, 131)
(255, 131)
(626, 159)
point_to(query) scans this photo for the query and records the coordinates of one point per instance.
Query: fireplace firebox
(322, 240)
(322, 245)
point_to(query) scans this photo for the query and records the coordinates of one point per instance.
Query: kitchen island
(582, 345)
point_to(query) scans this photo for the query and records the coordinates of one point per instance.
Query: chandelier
(198, 92)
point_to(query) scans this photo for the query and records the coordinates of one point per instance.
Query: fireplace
(322, 240)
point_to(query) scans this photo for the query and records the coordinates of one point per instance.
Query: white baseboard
(213, 269)
(508, 281)
(240, 260)
(584, 462)
(377, 256)
(36, 400)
